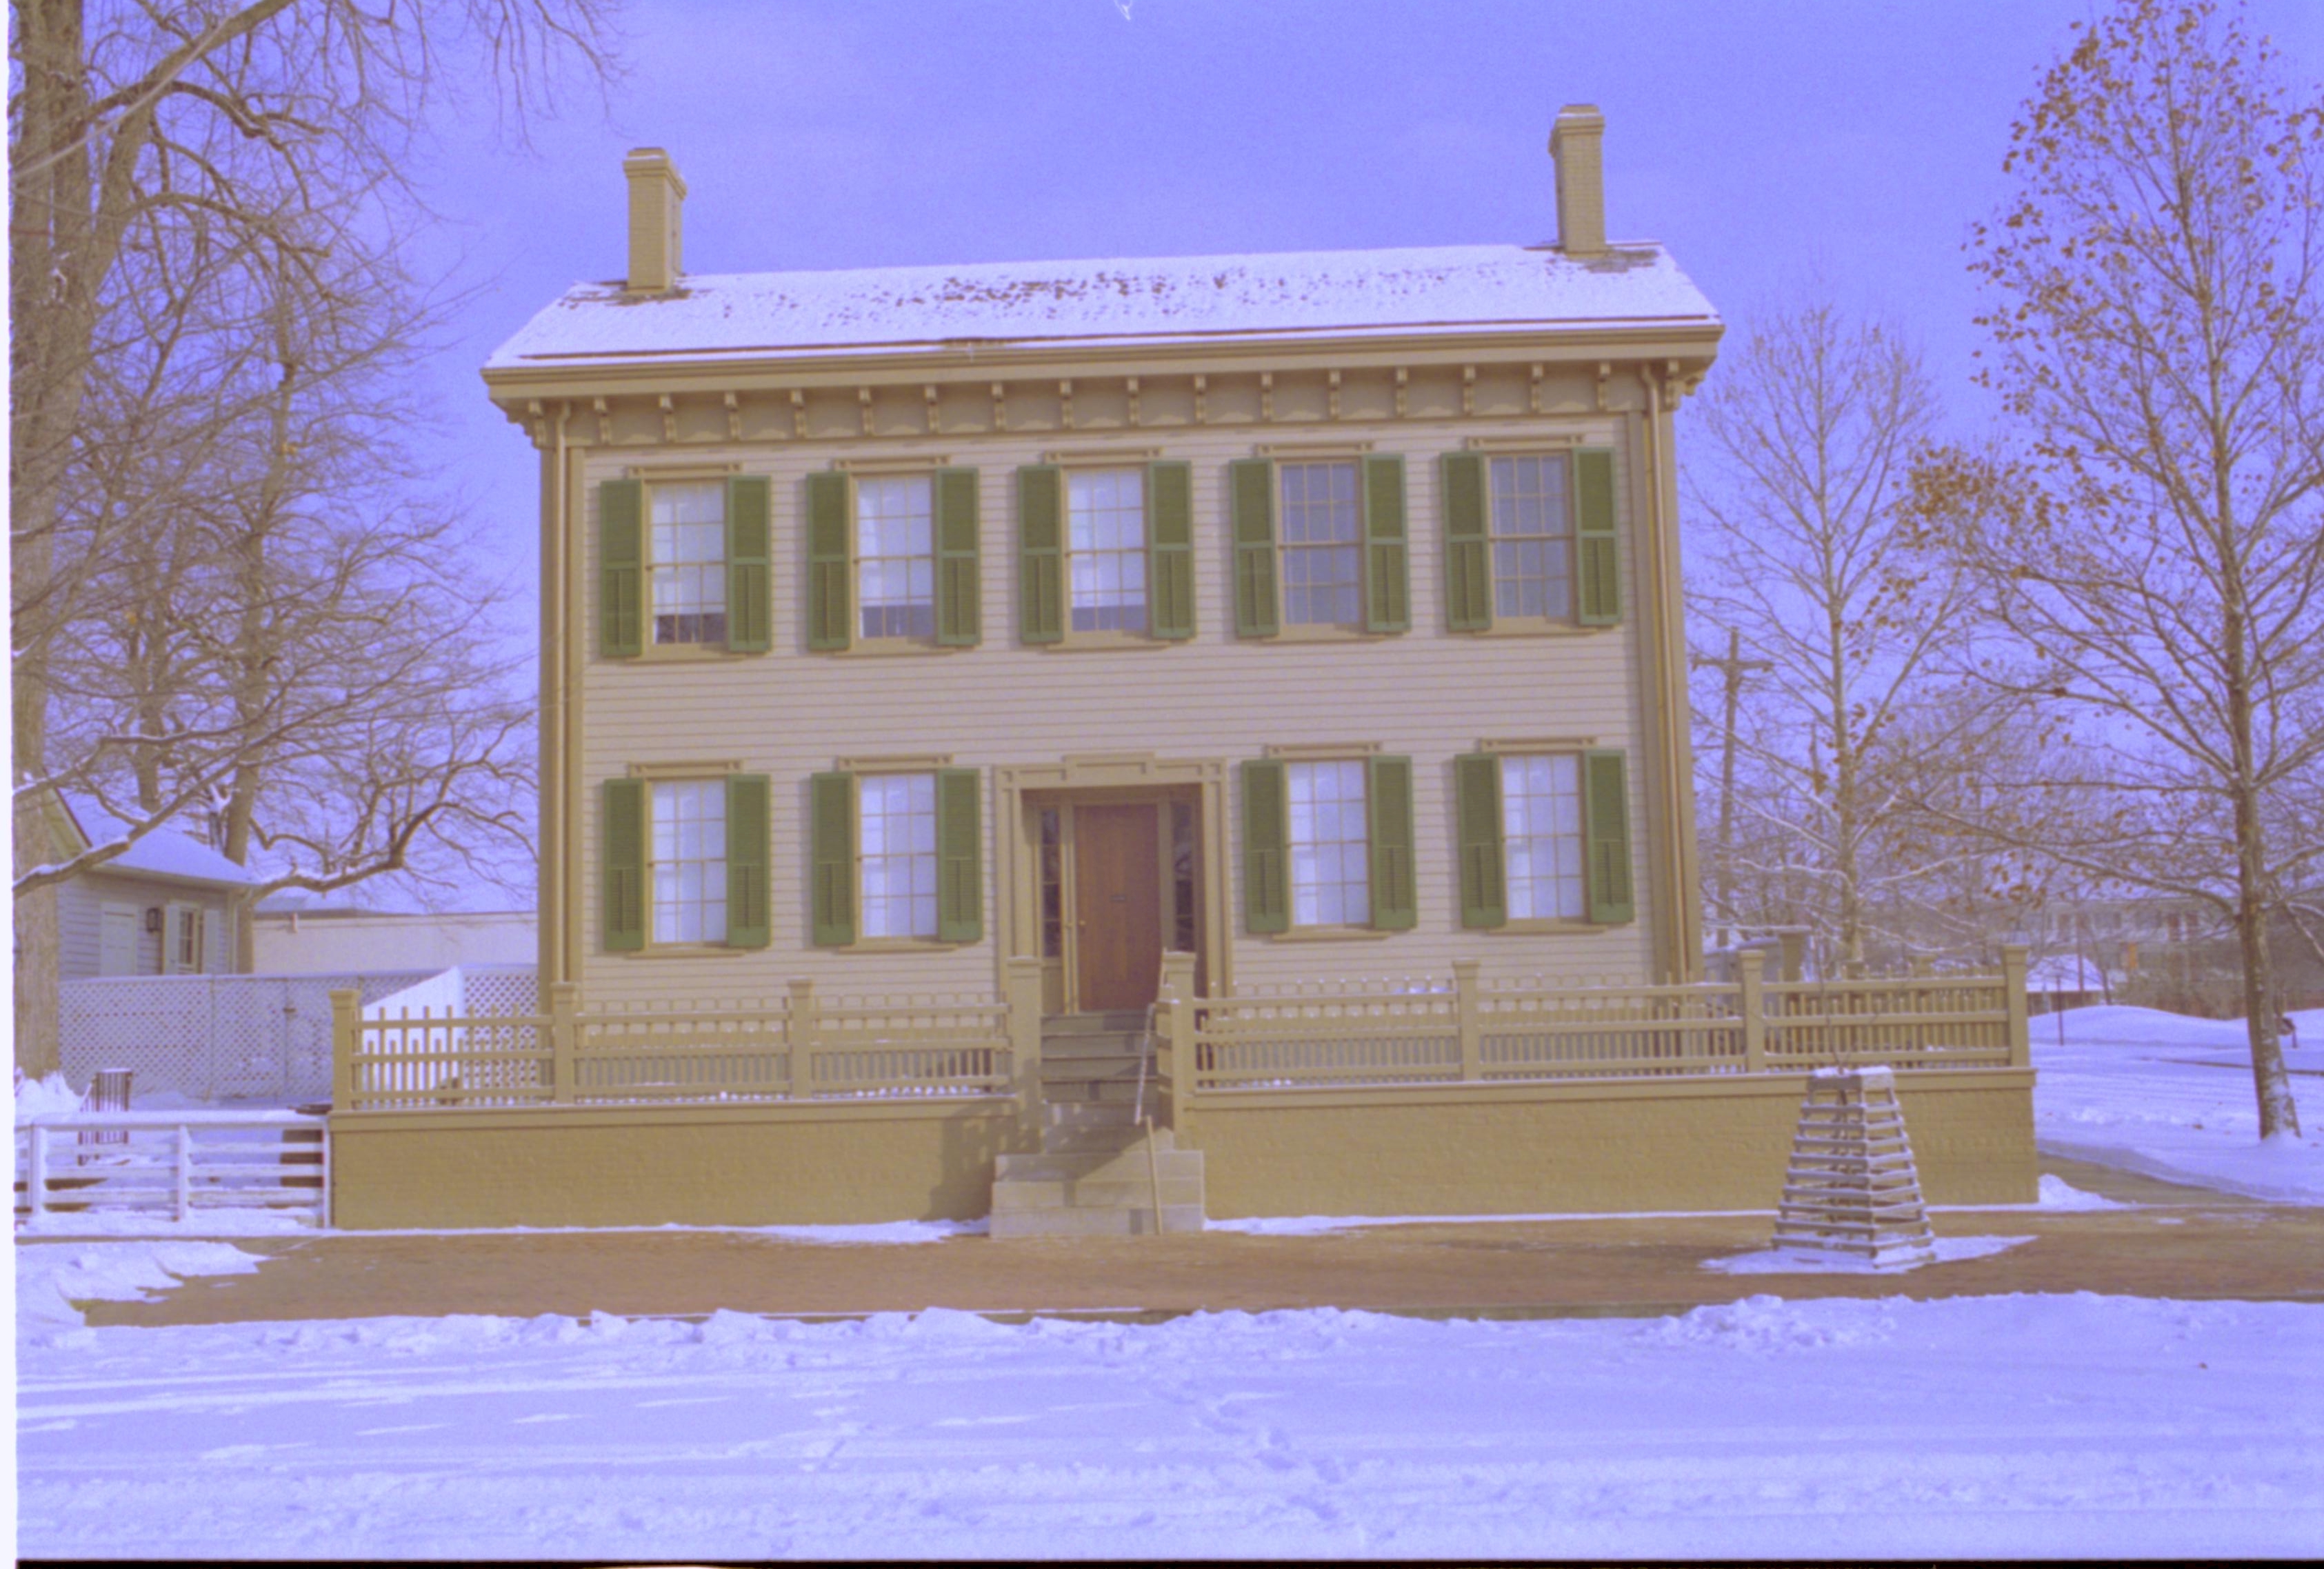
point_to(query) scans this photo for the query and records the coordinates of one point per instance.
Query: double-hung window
(1530, 540)
(684, 862)
(896, 856)
(682, 565)
(1544, 836)
(1105, 552)
(1319, 543)
(893, 559)
(1105, 544)
(1328, 844)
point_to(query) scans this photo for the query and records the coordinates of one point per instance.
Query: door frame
(1105, 778)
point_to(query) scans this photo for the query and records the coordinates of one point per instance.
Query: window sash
(1105, 536)
(685, 544)
(686, 861)
(1321, 536)
(1531, 532)
(1331, 844)
(1543, 847)
(895, 557)
(896, 845)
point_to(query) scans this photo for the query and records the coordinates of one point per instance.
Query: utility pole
(1732, 670)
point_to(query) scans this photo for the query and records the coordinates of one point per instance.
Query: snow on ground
(2171, 1097)
(1973, 1426)
(1807, 1261)
(50, 1279)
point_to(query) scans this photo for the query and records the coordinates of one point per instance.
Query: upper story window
(686, 559)
(688, 864)
(1541, 837)
(1321, 544)
(1533, 538)
(682, 565)
(895, 557)
(1105, 542)
(892, 559)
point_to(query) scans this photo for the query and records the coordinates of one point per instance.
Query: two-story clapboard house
(990, 632)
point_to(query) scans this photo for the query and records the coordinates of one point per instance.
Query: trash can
(108, 1091)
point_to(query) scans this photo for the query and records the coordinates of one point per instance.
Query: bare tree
(2153, 553)
(168, 162)
(1807, 435)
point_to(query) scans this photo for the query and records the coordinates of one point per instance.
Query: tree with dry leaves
(2151, 549)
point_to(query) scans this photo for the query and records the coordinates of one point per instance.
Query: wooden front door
(1118, 906)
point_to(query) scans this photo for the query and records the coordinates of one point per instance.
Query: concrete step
(1017, 1196)
(1127, 1164)
(1073, 1047)
(1125, 1222)
(1126, 1022)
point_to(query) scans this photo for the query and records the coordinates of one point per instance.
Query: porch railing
(1462, 1029)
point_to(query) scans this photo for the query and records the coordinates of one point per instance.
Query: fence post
(347, 1025)
(1176, 1019)
(798, 1040)
(2013, 1002)
(1021, 981)
(564, 1074)
(185, 1170)
(1751, 965)
(36, 1172)
(1472, 1031)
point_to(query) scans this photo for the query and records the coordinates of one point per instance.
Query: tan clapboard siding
(1427, 694)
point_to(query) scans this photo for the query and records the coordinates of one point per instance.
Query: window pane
(896, 834)
(1533, 538)
(1541, 834)
(688, 872)
(1105, 533)
(686, 555)
(1323, 563)
(1331, 859)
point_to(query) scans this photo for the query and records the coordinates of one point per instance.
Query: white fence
(179, 1164)
(236, 1038)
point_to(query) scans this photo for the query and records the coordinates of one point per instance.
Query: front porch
(1447, 1095)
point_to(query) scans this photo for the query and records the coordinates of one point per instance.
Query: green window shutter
(622, 877)
(828, 599)
(1170, 549)
(1387, 588)
(831, 815)
(1388, 802)
(1251, 485)
(960, 621)
(749, 852)
(1606, 820)
(1266, 848)
(1477, 794)
(1598, 576)
(1040, 554)
(621, 568)
(1468, 553)
(749, 529)
(960, 857)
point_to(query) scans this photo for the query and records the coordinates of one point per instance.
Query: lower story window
(1541, 837)
(1331, 851)
(690, 861)
(899, 854)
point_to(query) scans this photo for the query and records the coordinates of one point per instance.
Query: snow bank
(1804, 1262)
(1990, 1427)
(45, 1097)
(50, 1278)
(2171, 1097)
(202, 1222)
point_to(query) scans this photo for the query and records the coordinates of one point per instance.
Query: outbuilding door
(1117, 905)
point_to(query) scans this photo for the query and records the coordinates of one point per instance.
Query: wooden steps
(1096, 1174)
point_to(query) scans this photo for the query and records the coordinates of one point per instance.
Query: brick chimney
(656, 196)
(1574, 147)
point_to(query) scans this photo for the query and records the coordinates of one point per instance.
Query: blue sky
(1763, 142)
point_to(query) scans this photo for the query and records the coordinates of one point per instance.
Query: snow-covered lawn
(2171, 1097)
(1985, 1427)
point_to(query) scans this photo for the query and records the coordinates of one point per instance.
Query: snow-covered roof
(164, 853)
(899, 309)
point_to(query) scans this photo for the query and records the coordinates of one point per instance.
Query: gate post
(1472, 1031)
(1175, 1019)
(2013, 1003)
(346, 1024)
(798, 1040)
(36, 1172)
(1752, 964)
(564, 1000)
(1021, 985)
